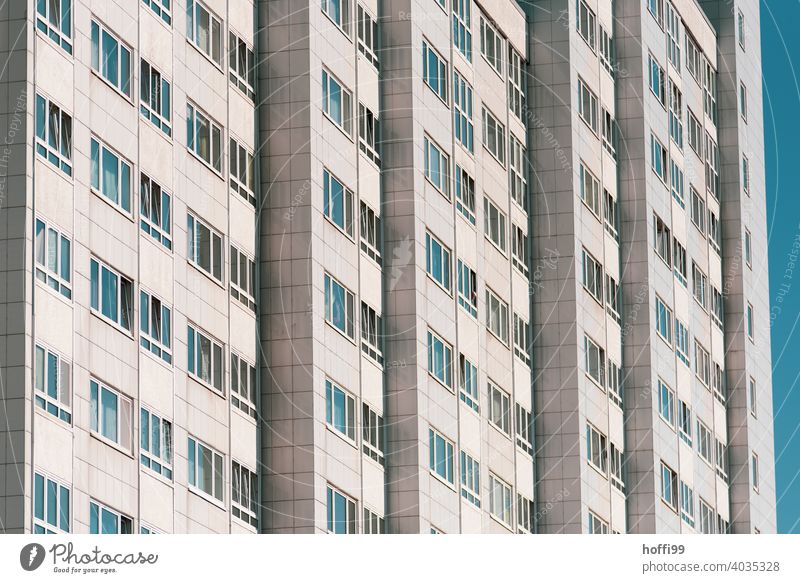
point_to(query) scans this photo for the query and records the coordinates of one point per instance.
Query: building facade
(359, 266)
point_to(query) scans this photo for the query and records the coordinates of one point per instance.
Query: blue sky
(780, 47)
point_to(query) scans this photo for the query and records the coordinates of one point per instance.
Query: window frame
(244, 385)
(155, 106)
(123, 416)
(345, 105)
(124, 523)
(45, 252)
(196, 337)
(149, 192)
(98, 267)
(159, 345)
(348, 330)
(194, 458)
(441, 371)
(244, 489)
(99, 60)
(437, 440)
(244, 81)
(330, 185)
(42, 508)
(47, 380)
(195, 119)
(194, 19)
(216, 249)
(161, 462)
(497, 323)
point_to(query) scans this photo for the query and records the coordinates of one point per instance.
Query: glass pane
(109, 415)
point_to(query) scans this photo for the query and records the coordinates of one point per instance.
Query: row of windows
(680, 497)
(602, 370)
(605, 457)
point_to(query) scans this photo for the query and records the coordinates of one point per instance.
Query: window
(54, 19)
(205, 247)
(615, 383)
(241, 65)
(154, 98)
(746, 174)
(51, 505)
(594, 361)
(705, 442)
(519, 249)
(205, 358)
(522, 337)
(494, 136)
(656, 8)
(341, 508)
(111, 295)
(155, 443)
(748, 248)
(491, 45)
(590, 190)
(53, 258)
(596, 449)
(243, 278)
(658, 158)
(372, 434)
(434, 71)
(110, 414)
(613, 299)
(339, 12)
(516, 93)
(244, 386)
(658, 84)
(53, 383)
(754, 470)
(687, 504)
(373, 523)
(437, 262)
(468, 383)
(741, 30)
(244, 494)
(695, 134)
(712, 167)
(669, 486)
(752, 397)
(371, 333)
(104, 520)
(750, 322)
(718, 383)
(155, 325)
(368, 39)
(204, 30)
(340, 410)
(494, 224)
(516, 170)
(441, 455)
(607, 51)
(587, 22)
(611, 214)
(440, 359)
(111, 59)
(339, 307)
(714, 232)
(706, 517)
(525, 514)
(54, 134)
(467, 288)
(710, 90)
(161, 8)
(673, 36)
(204, 137)
(743, 101)
(616, 468)
(694, 58)
(338, 203)
(370, 233)
(500, 500)
(465, 194)
(437, 167)
(497, 316)
(205, 469)
(698, 211)
(666, 403)
(524, 424)
(111, 175)
(593, 276)
(155, 211)
(337, 102)
(676, 114)
(663, 321)
(699, 285)
(662, 240)
(702, 364)
(596, 524)
(722, 460)
(587, 105)
(679, 261)
(609, 133)
(242, 171)
(462, 112)
(499, 408)
(368, 128)
(682, 342)
(462, 27)
(470, 479)
(717, 307)
(685, 422)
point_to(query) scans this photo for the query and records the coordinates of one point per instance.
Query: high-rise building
(367, 266)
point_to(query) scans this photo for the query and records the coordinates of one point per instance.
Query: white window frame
(440, 369)
(53, 251)
(590, 190)
(349, 520)
(155, 211)
(664, 320)
(123, 416)
(240, 50)
(123, 185)
(330, 185)
(592, 276)
(463, 112)
(372, 434)
(343, 119)
(196, 119)
(57, 149)
(438, 446)
(494, 224)
(52, 383)
(244, 385)
(125, 296)
(98, 34)
(586, 22)
(497, 316)
(216, 250)
(245, 502)
(196, 12)
(470, 479)
(465, 194)
(243, 285)
(124, 523)
(499, 413)
(155, 97)
(155, 335)
(462, 27)
(434, 71)
(666, 403)
(467, 283)
(669, 486)
(348, 329)
(159, 462)
(468, 384)
(53, 25)
(194, 456)
(524, 425)
(702, 364)
(501, 503)
(196, 337)
(588, 108)
(439, 177)
(657, 80)
(338, 12)
(494, 136)
(368, 38)
(437, 254)
(522, 336)
(241, 170)
(371, 233)
(594, 361)
(596, 449)
(371, 333)
(491, 45)
(369, 134)
(51, 518)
